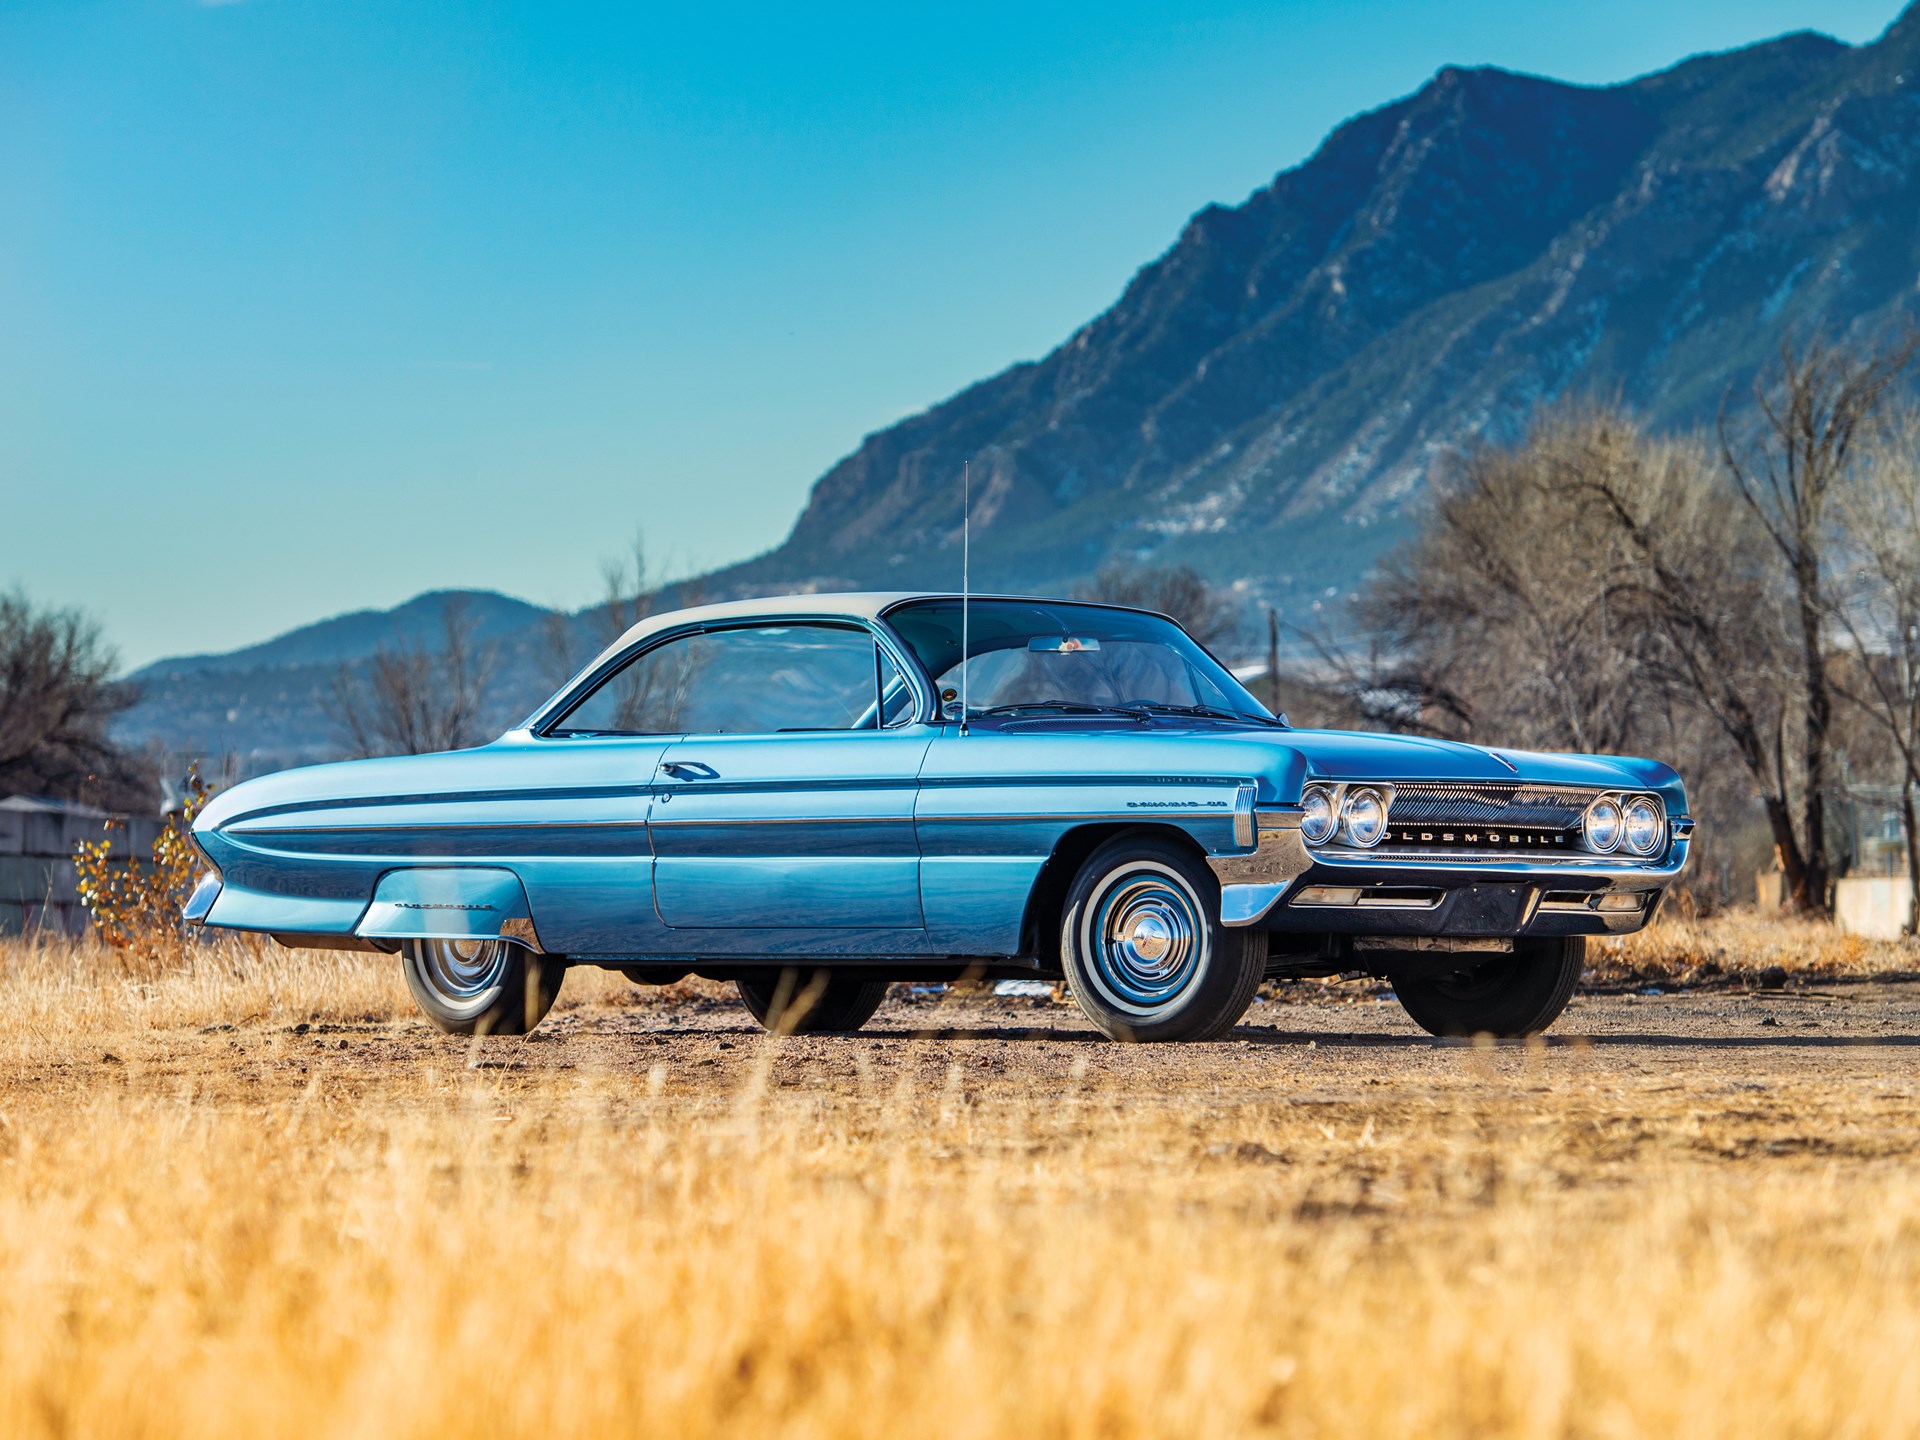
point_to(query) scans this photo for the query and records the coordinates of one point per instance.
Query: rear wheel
(1507, 996)
(1144, 950)
(481, 987)
(810, 1002)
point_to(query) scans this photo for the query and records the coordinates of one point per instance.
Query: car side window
(748, 680)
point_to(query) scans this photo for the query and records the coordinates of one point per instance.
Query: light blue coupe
(815, 795)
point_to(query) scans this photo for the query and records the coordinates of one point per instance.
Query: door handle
(689, 770)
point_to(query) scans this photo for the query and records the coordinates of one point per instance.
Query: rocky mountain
(1268, 400)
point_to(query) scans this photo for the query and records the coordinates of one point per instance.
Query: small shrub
(135, 903)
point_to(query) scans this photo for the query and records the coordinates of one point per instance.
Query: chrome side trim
(660, 822)
(270, 831)
(1138, 817)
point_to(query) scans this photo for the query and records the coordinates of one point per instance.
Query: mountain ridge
(356, 634)
(1272, 368)
(1271, 398)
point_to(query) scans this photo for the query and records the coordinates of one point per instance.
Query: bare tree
(1592, 589)
(1175, 590)
(409, 700)
(630, 592)
(1876, 609)
(57, 700)
(651, 693)
(1693, 579)
(1504, 615)
(1817, 404)
(1596, 588)
(630, 589)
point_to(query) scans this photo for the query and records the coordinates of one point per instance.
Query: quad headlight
(1645, 826)
(1634, 823)
(1319, 815)
(1602, 825)
(1363, 816)
(1351, 814)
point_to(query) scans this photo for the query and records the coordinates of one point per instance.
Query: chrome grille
(1516, 819)
(1530, 807)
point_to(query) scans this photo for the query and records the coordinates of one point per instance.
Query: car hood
(1364, 755)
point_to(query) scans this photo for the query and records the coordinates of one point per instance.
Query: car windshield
(1048, 655)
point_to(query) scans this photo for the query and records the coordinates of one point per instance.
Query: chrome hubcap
(1150, 939)
(1146, 939)
(463, 969)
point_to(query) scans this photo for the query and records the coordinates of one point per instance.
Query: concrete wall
(1873, 906)
(38, 884)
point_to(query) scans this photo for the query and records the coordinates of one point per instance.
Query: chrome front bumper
(1434, 893)
(1253, 883)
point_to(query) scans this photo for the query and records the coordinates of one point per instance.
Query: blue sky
(310, 305)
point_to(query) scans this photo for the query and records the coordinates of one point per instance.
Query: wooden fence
(39, 889)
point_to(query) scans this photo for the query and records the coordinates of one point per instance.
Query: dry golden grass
(1743, 943)
(631, 1224)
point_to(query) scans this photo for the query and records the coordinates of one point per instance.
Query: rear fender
(450, 903)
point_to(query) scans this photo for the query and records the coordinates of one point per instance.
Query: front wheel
(481, 987)
(1144, 950)
(810, 1002)
(1507, 997)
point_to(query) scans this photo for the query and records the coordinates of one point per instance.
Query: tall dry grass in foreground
(253, 1232)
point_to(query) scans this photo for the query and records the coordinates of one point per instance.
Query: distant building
(39, 889)
(1873, 897)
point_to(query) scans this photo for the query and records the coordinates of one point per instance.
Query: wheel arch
(1040, 923)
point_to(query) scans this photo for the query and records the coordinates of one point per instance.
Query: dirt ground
(1849, 1037)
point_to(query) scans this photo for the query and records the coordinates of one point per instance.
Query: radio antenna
(966, 579)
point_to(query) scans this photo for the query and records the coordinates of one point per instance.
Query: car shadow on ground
(1260, 1035)
(1363, 1040)
(1267, 1035)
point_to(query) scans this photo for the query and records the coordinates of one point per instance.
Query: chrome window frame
(542, 725)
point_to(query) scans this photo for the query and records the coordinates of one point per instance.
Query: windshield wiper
(1066, 707)
(1209, 712)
